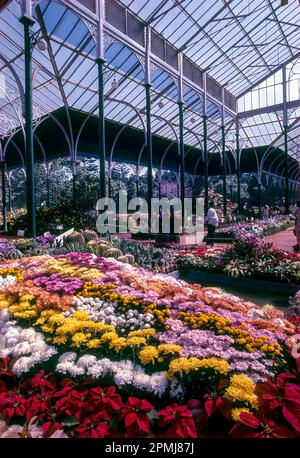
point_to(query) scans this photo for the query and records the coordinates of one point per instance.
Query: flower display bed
(259, 227)
(92, 347)
(248, 257)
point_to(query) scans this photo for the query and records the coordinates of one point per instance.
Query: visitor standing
(212, 222)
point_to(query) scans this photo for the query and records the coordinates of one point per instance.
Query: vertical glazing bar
(27, 23)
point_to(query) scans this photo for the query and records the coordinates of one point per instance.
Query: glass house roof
(239, 43)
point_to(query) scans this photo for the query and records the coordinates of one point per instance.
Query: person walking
(266, 212)
(297, 226)
(212, 222)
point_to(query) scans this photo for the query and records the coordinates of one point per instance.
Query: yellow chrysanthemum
(167, 349)
(79, 338)
(242, 389)
(117, 344)
(136, 341)
(148, 355)
(94, 343)
(182, 366)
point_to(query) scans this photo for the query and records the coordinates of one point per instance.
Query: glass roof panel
(239, 42)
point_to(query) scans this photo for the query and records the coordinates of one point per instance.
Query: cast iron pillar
(224, 171)
(205, 159)
(149, 151)
(205, 152)
(27, 23)
(4, 206)
(224, 153)
(182, 162)
(285, 131)
(101, 126)
(238, 166)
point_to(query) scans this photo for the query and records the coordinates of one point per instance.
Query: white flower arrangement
(123, 372)
(105, 312)
(27, 346)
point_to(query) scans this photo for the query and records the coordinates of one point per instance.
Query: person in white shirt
(212, 222)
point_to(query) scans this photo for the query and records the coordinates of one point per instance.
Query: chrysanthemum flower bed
(95, 348)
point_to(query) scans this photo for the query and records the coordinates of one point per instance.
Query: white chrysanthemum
(70, 368)
(96, 370)
(86, 361)
(68, 356)
(22, 365)
(123, 377)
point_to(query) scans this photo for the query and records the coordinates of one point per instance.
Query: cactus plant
(113, 253)
(90, 235)
(92, 243)
(74, 241)
(123, 259)
(131, 259)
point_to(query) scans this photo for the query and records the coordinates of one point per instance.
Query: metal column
(4, 206)
(224, 156)
(101, 126)
(182, 162)
(205, 152)
(27, 23)
(148, 125)
(285, 131)
(101, 120)
(238, 166)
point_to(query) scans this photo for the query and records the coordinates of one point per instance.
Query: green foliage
(48, 218)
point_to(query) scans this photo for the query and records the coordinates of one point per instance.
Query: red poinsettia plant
(46, 406)
(279, 412)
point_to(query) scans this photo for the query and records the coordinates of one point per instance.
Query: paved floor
(284, 240)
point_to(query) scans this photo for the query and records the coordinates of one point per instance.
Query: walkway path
(284, 240)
